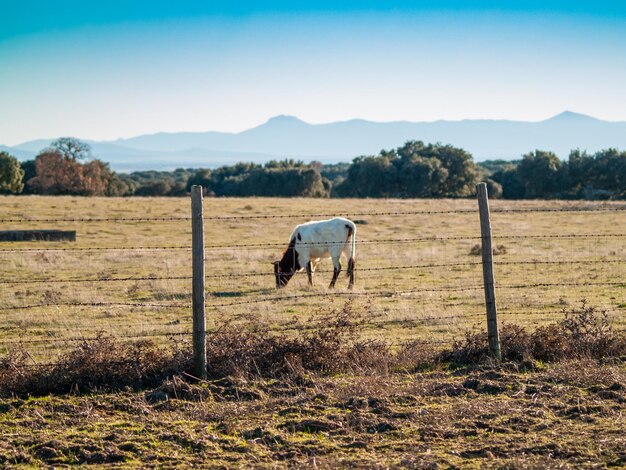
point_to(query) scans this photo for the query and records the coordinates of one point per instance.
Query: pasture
(129, 271)
(129, 275)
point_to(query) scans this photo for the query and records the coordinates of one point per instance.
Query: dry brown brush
(584, 332)
(103, 362)
(332, 345)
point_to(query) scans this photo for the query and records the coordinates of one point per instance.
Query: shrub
(584, 332)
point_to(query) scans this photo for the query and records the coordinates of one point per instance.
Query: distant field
(416, 276)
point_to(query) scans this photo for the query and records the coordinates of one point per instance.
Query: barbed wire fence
(396, 309)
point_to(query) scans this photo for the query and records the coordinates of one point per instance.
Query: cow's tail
(352, 259)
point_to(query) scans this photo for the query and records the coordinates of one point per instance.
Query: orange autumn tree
(59, 171)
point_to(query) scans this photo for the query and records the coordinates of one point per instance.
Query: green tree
(422, 177)
(453, 174)
(371, 177)
(608, 171)
(413, 170)
(11, 174)
(28, 167)
(510, 182)
(154, 188)
(202, 177)
(494, 189)
(542, 174)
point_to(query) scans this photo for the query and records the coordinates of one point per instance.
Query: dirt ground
(567, 415)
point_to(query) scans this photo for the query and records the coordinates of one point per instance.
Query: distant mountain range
(289, 137)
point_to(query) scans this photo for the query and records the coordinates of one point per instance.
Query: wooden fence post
(488, 278)
(197, 253)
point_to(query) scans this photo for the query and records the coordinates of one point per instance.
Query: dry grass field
(417, 279)
(416, 274)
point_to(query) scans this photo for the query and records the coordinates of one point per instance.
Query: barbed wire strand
(563, 284)
(401, 293)
(389, 241)
(381, 294)
(281, 327)
(427, 266)
(97, 219)
(94, 304)
(86, 339)
(104, 279)
(93, 338)
(399, 241)
(494, 210)
(375, 318)
(83, 249)
(271, 273)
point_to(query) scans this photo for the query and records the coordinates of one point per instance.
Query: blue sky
(103, 70)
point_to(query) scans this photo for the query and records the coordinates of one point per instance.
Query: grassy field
(405, 296)
(523, 414)
(568, 415)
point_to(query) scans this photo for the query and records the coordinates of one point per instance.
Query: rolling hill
(289, 137)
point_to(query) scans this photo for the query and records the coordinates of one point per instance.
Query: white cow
(312, 241)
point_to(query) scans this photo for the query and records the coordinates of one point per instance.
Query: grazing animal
(312, 241)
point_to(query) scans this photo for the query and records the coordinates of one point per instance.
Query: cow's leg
(336, 271)
(351, 264)
(314, 263)
(309, 272)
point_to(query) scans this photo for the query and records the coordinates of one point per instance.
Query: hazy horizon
(117, 71)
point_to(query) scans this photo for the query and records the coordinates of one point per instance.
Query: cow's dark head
(287, 266)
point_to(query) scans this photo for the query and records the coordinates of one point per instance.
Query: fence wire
(396, 268)
(95, 304)
(494, 210)
(388, 241)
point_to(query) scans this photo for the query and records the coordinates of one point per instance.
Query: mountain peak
(569, 116)
(284, 119)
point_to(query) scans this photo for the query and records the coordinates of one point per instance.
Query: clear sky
(108, 69)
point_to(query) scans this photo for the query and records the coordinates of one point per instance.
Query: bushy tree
(28, 167)
(452, 170)
(422, 177)
(370, 177)
(506, 176)
(60, 172)
(154, 188)
(542, 175)
(11, 174)
(413, 170)
(285, 178)
(494, 189)
(289, 182)
(55, 174)
(99, 180)
(609, 170)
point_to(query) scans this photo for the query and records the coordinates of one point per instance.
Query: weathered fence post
(488, 278)
(197, 253)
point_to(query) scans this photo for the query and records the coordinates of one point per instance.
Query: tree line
(414, 170)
